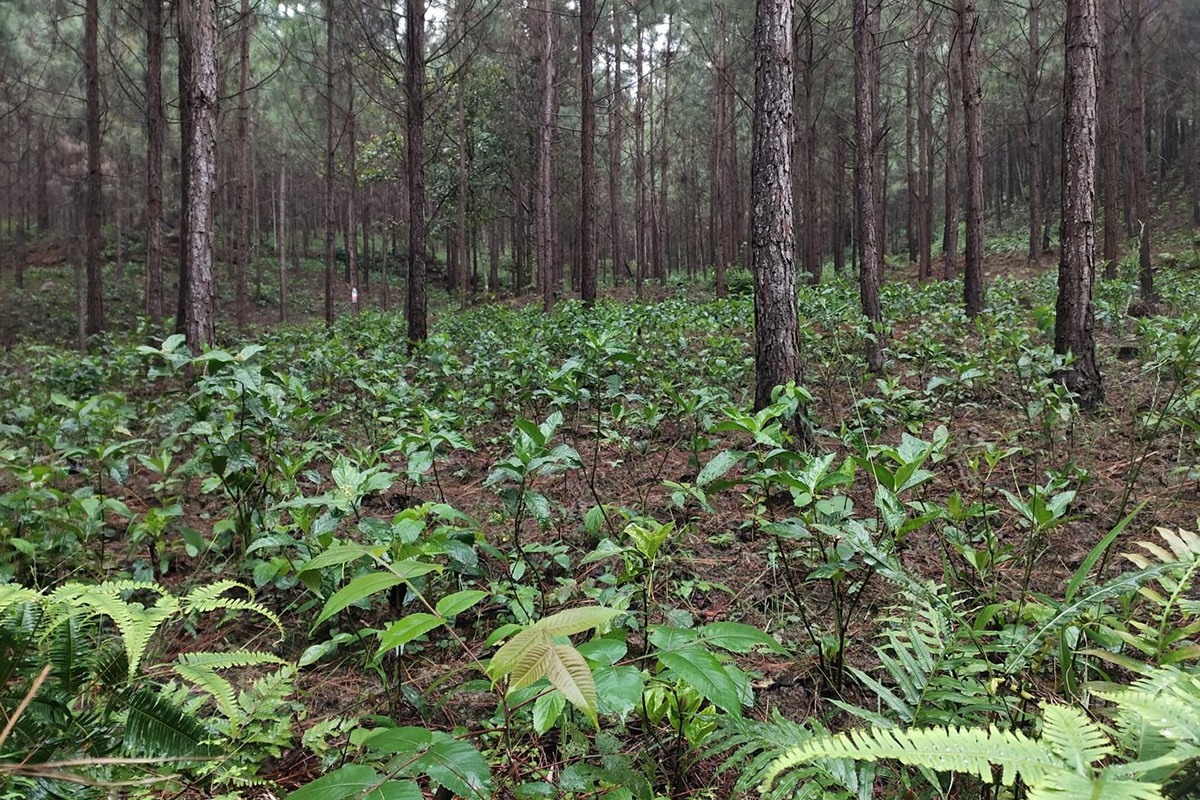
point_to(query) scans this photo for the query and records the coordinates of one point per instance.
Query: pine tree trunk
(1111, 136)
(614, 150)
(639, 146)
(545, 172)
(973, 123)
(866, 75)
(773, 247)
(183, 81)
(242, 200)
(1033, 126)
(1137, 142)
(201, 21)
(92, 219)
(281, 237)
(924, 147)
(414, 86)
(953, 106)
(1076, 267)
(330, 213)
(352, 190)
(587, 189)
(154, 170)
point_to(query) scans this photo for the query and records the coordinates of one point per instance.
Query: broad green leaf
(721, 463)
(407, 629)
(739, 638)
(704, 672)
(351, 780)
(341, 554)
(546, 711)
(453, 604)
(357, 589)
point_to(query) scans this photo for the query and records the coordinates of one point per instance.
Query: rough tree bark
(92, 218)
(587, 189)
(953, 101)
(773, 247)
(352, 189)
(242, 199)
(924, 146)
(280, 237)
(614, 150)
(414, 89)
(639, 157)
(154, 170)
(968, 25)
(1033, 127)
(1110, 135)
(200, 18)
(866, 75)
(545, 172)
(1137, 152)
(330, 217)
(183, 81)
(1076, 266)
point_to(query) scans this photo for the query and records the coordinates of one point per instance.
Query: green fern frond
(12, 594)
(220, 689)
(1064, 785)
(153, 726)
(234, 660)
(1166, 701)
(970, 750)
(210, 598)
(1074, 738)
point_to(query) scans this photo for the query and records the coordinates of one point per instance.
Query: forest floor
(722, 567)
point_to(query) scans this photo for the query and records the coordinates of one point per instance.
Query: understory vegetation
(555, 556)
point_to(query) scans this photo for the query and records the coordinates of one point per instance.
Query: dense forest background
(312, 121)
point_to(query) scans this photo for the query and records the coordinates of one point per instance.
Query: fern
(970, 750)
(210, 598)
(753, 746)
(932, 666)
(1167, 637)
(153, 725)
(1160, 721)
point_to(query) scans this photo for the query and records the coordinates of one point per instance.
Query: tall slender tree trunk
(804, 173)
(664, 161)
(587, 189)
(1033, 127)
(242, 199)
(953, 106)
(545, 172)
(92, 219)
(639, 145)
(614, 149)
(414, 89)
(924, 146)
(866, 76)
(723, 129)
(773, 248)
(154, 170)
(1137, 140)
(1076, 267)
(330, 214)
(912, 179)
(200, 18)
(1110, 134)
(973, 290)
(352, 189)
(280, 236)
(183, 78)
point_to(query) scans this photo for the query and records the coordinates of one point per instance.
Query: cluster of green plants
(484, 551)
